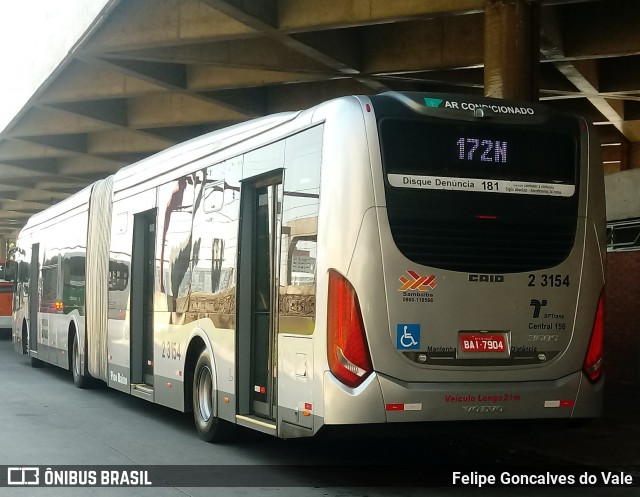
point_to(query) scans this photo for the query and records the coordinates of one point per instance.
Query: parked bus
(404, 257)
(6, 294)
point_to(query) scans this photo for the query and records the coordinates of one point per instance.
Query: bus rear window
(480, 197)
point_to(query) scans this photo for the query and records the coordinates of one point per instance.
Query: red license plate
(482, 342)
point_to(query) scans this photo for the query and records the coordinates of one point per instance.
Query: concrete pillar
(3, 248)
(633, 161)
(511, 49)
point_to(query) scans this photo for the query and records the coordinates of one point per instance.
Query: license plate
(482, 342)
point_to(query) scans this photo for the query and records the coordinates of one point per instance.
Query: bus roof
(196, 148)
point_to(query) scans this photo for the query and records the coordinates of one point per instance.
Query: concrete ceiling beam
(42, 196)
(260, 53)
(423, 45)
(48, 121)
(86, 165)
(88, 80)
(304, 15)
(119, 142)
(601, 29)
(20, 149)
(209, 77)
(34, 166)
(152, 23)
(584, 75)
(170, 109)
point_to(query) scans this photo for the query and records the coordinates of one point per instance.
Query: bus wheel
(76, 366)
(210, 427)
(36, 363)
(25, 338)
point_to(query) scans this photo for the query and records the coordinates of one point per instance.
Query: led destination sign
(476, 149)
(427, 154)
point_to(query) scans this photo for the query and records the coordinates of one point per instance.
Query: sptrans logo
(416, 282)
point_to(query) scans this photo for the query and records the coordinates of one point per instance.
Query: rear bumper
(385, 399)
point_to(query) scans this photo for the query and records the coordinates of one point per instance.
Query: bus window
(175, 243)
(8, 270)
(302, 261)
(73, 281)
(215, 234)
(297, 301)
(50, 270)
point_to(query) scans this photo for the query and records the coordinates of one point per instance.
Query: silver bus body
(230, 274)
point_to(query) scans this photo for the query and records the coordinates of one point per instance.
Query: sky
(35, 36)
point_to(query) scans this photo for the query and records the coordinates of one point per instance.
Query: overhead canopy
(152, 73)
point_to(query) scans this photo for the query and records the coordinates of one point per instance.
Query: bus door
(34, 298)
(258, 294)
(142, 290)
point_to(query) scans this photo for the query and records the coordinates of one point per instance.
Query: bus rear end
(6, 295)
(485, 301)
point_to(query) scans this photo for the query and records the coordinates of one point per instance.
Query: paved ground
(613, 440)
(44, 420)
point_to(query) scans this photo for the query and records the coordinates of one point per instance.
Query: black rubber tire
(80, 380)
(25, 340)
(36, 363)
(210, 427)
(578, 423)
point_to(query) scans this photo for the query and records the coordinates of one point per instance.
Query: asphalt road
(45, 420)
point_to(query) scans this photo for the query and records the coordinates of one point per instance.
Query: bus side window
(303, 156)
(23, 272)
(50, 273)
(215, 234)
(176, 200)
(10, 270)
(301, 262)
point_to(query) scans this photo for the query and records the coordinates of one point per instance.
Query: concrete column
(511, 49)
(634, 156)
(3, 248)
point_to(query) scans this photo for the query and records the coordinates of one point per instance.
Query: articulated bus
(6, 294)
(398, 258)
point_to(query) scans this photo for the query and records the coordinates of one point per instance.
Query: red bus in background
(7, 286)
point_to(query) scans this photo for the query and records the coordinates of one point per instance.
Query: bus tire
(36, 363)
(79, 379)
(578, 423)
(210, 427)
(25, 339)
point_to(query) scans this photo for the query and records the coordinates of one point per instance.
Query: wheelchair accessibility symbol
(408, 336)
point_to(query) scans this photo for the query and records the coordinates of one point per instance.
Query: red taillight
(593, 361)
(348, 353)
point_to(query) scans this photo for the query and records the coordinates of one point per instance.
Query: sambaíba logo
(418, 283)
